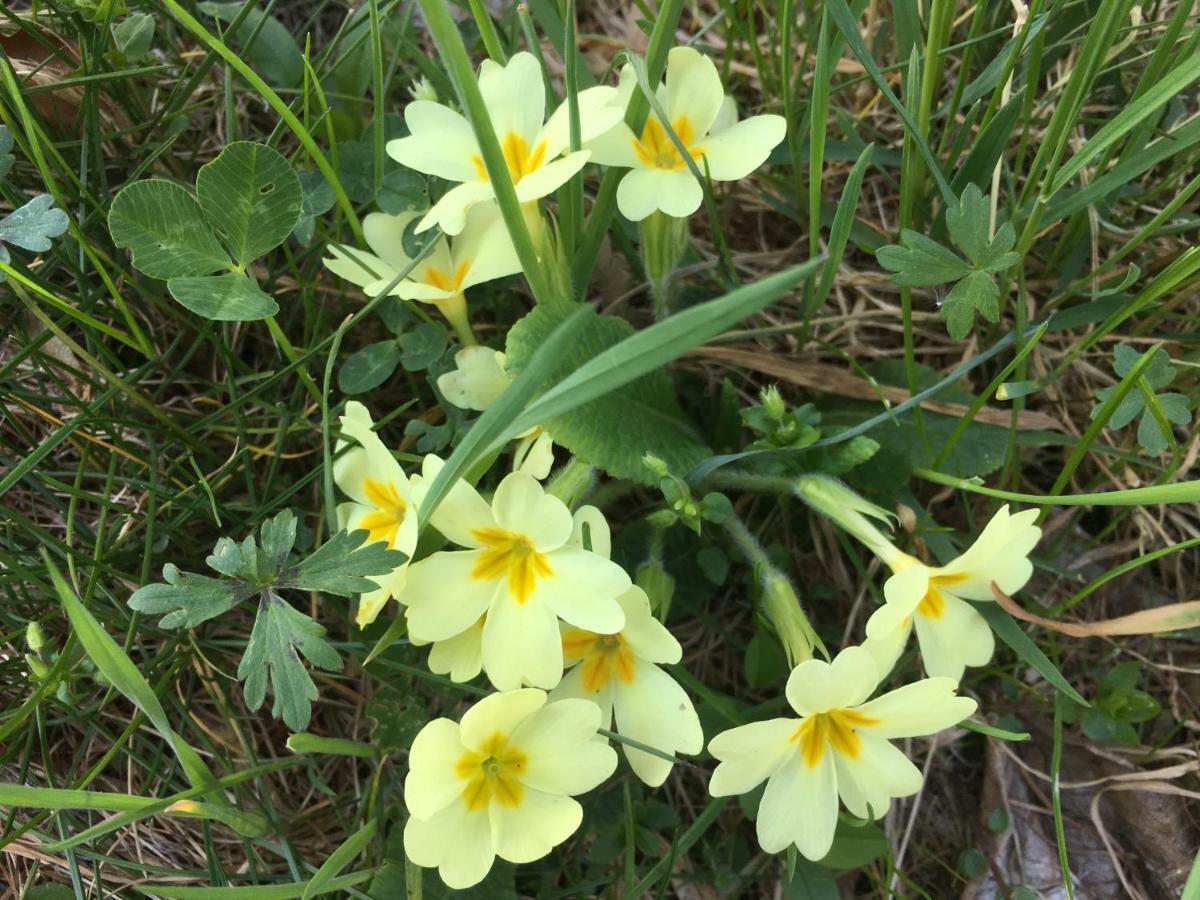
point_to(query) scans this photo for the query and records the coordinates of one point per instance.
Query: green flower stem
(664, 240)
(455, 310)
(289, 350)
(778, 597)
(1179, 492)
(276, 103)
(572, 481)
(454, 54)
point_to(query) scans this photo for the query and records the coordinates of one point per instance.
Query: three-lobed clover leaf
(920, 261)
(32, 225)
(263, 568)
(246, 203)
(1174, 408)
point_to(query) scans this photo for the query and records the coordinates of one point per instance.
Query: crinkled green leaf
(341, 565)
(160, 223)
(977, 293)
(229, 297)
(252, 197)
(276, 538)
(32, 226)
(237, 560)
(615, 431)
(919, 261)
(281, 635)
(186, 599)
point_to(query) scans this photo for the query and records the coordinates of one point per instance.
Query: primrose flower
(476, 382)
(381, 502)
(838, 747)
(442, 143)
(482, 252)
(501, 782)
(519, 572)
(932, 599)
(619, 673)
(952, 633)
(704, 120)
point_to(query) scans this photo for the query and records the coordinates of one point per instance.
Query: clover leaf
(1145, 401)
(920, 261)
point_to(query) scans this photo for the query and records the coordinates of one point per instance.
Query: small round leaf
(161, 224)
(252, 197)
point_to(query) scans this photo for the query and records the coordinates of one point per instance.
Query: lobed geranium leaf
(252, 197)
(281, 635)
(32, 226)
(341, 565)
(1174, 408)
(186, 599)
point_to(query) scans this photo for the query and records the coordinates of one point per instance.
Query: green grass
(134, 433)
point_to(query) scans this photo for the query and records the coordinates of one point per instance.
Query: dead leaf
(1172, 617)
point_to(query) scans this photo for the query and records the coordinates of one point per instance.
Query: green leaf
(276, 539)
(228, 297)
(615, 431)
(369, 367)
(855, 845)
(1007, 629)
(967, 223)
(318, 199)
(274, 54)
(1174, 408)
(133, 35)
(160, 223)
(281, 635)
(252, 197)
(398, 718)
(977, 293)
(32, 226)
(339, 859)
(341, 565)
(6, 145)
(919, 261)
(187, 599)
(422, 346)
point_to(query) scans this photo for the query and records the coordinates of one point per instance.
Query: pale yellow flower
(381, 502)
(520, 571)
(838, 747)
(704, 120)
(501, 782)
(621, 674)
(442, 143)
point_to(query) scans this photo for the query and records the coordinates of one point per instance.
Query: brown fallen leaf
(833, 380)
(1172, 617)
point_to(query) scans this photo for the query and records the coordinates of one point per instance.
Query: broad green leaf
(123, 675)
(32, 226)
(133, 35)
(160, 223)
(252, 197)
(274, 54)
(318, 199)
(341, 565)
(281, 635)
(919, 261)
(187, 599)
(615, 431)
(977, 293)
(228, 297)
(6, 145)
(421, 346)
(855, 846)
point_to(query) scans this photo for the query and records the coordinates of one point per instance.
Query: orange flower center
(492, 773)
(933, 604)
(511, 555)
(836, 728)
(435, 277)
(518, 156)
(384, 522)
(656, 150)
(604, 656)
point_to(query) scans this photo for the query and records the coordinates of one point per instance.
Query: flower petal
(440, 142)
(522, 644)
(450, 212)
(614, 147)
(460, 657)
(920, 708)
(515, 96)
(693, 89)
(534, 454)
(564, 754)
(800, 806)
(442, 597)
(501, 712)
(522, 505)
(385, 237)
(457, 841)
(534, 827)
(816, 686)
(478, 378)
(358, 266)
(643, 191)
(999, 554)
(881, 771)
(461, 512)
(584, 589)
(598, 115)
(737, 151)
(749, 754)
(551, 176)
(371, 604)
(656, 711)
(432, 784)
(648, 638)
(572, 686)
(957, 638)
(886, 650)
(590, 531)
(484, 247)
